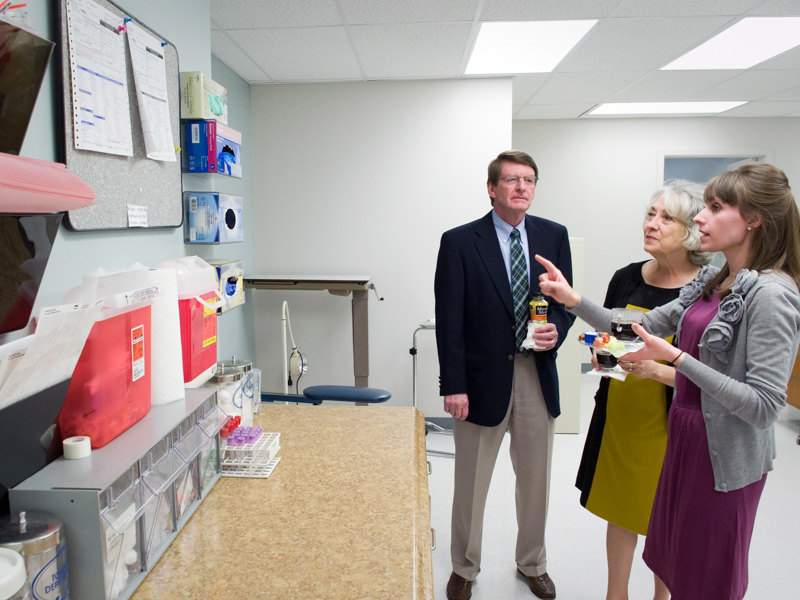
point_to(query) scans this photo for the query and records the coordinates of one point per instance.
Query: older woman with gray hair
(627, 437)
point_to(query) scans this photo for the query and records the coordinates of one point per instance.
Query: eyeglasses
(513, 180)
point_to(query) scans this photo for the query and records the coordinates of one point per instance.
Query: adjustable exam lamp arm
(286, 321)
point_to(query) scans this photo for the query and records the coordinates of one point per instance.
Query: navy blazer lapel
(489, 250)
(533, 230)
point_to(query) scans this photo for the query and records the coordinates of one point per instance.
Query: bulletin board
(120, 181)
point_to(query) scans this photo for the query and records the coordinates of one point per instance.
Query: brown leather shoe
(459, 588)
(541, 586)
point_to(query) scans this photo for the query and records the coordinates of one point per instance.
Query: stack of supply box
(210, 146)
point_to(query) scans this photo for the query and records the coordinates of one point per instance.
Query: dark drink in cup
(623, 331)
(605, 359)
(622, 320)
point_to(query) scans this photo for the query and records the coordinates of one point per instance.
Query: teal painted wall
(187, 25)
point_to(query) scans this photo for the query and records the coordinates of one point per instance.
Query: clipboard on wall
(121, 183)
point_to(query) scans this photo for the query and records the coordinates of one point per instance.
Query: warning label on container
(137, 352)
(209, 320)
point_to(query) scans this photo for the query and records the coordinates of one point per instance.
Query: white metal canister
(39, 538)
(229, 380)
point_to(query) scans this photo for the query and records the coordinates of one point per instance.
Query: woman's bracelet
(672, 363)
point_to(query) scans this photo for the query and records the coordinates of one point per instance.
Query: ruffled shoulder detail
(691, 291)
(745, 279)
(730, 312)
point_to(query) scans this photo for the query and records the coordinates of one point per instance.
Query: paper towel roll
(79, 446)
(166, 377)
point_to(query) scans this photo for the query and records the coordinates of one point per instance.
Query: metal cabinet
(124, 504)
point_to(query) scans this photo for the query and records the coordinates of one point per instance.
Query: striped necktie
(519, 286)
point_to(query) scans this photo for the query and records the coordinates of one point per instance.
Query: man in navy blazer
(490, 384)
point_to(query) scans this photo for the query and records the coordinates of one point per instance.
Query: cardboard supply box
(230, 275)
(199, 143)
(201, 222)
(229, 149)
(211, 147)
(203, 98)
(230, 219)
(212, 218)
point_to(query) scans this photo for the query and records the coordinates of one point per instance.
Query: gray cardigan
(743, 386)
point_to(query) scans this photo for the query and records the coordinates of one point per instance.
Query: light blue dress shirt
(503, 231)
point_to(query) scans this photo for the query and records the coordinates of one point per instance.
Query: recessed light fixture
(524, 46)
(662, 108)
(746, 43)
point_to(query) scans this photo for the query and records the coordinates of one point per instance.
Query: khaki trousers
(531, 428)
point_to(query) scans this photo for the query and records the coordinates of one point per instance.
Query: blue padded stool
(346, 393)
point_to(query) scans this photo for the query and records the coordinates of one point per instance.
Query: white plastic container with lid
(13, 578)
(198, 300)
(102, 283)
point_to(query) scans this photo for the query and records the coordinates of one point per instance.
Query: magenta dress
(698, 538)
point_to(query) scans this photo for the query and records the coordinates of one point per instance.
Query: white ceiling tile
(788, 60)
(751, 85)
(682, 8)
(552, 111)
(763, 109)
(774, 8)
(639, 44)
(299, 41)
(262, 14)
(545, 10)
(233, 56)
(411, 50)
(373, 12)
(526, 86)
(584, 87)
(792, 95)
(671, 86)
(301, 54)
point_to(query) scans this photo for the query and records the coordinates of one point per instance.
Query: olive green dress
(627, 436)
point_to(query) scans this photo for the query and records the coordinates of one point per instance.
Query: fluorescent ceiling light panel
(524, 46)
(663, 108)
(749, 42)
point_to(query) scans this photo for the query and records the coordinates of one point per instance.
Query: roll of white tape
(77, 447)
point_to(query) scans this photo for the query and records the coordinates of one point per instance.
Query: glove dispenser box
(123, 505)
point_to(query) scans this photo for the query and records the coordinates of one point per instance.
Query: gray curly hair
(683, 199)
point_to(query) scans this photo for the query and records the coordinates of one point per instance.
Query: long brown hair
(759, 189)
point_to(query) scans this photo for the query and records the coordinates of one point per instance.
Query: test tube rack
(256, 460)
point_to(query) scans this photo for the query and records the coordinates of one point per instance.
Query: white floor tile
(576, 538)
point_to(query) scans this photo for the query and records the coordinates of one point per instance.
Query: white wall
(363, 178)
(597, 174)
